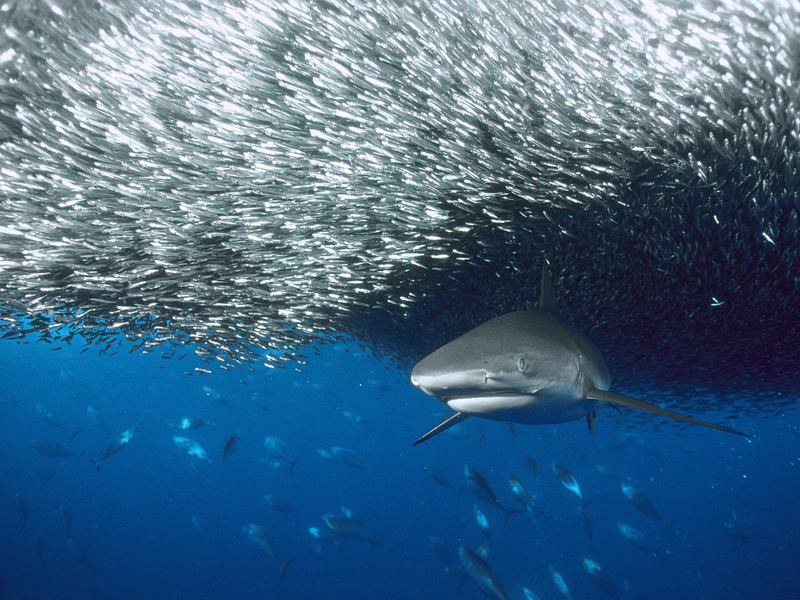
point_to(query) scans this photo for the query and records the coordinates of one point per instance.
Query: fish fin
(547, 298)
(614, 398)
(590, 419)
(444, 425)
(96, 463)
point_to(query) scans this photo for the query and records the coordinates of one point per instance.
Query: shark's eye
(521, 364)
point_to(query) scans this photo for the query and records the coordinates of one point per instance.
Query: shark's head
(494, 358)
(498, 366)
(469, 367)
(525, 366)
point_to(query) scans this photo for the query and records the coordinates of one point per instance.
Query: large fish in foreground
(479, 485)
(190, 447)
(346, 526)
(527, 366)
(601, 579)
(482, 574)
(122, 440)
(637, 538)
(640, 500)
(263, 541)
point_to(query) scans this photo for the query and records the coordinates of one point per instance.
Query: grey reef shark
(527, 366)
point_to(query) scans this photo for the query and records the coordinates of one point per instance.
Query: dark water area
(153, 522)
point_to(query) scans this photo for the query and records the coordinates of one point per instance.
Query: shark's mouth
(490, 403)
(446, 385)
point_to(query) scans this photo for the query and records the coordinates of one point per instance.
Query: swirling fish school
(400, 175)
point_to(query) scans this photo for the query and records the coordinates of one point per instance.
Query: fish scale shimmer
(245, 176)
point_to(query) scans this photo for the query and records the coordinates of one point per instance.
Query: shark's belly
(533, 409)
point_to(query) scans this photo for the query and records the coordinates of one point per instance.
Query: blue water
(156, 523)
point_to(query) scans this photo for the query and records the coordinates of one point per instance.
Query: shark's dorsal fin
(547, 299)
(614, 398)
(444, 425)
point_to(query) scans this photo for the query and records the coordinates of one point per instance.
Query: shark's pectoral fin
(444, 425)
(621, 400)
(590, 419)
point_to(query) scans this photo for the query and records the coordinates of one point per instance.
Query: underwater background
(229, 229)
(153, 522)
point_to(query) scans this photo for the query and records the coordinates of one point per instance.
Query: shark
(527, 366)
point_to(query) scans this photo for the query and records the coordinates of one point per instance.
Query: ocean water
(153, 522)
(250, 175)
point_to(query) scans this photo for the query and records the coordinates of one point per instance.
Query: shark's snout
(415, 380)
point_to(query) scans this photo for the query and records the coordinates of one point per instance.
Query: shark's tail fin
(621, 400)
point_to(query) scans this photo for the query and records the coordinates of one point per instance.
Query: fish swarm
(243, 177)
